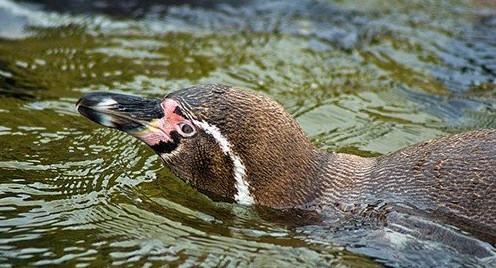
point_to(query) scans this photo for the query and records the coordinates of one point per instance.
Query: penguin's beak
(127, 113)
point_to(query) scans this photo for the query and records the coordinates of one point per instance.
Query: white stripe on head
(242, 187)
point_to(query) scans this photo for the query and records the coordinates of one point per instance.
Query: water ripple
(366, 78)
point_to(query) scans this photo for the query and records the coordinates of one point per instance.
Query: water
(363, 78)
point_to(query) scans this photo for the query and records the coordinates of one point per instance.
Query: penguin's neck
(347, 181)
(340, 180)
(311, 178)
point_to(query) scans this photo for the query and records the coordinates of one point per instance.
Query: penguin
(243, 146)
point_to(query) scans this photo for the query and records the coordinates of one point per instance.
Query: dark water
(364, 77)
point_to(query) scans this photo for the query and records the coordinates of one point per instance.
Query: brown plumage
(452, 178)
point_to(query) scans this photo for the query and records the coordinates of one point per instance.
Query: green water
(364, 78)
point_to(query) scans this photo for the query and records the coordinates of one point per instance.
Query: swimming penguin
(244, 146)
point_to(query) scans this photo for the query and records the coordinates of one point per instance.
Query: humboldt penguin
(244, 146)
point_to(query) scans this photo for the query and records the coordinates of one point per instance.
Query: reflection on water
(366, 78)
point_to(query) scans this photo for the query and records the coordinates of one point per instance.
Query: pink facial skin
(160, 129)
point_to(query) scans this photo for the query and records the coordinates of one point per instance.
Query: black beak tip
(96, 106)
(124, 112)
(79, 104)
(80, 100)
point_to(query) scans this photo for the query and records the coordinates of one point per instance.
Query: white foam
(242, 186)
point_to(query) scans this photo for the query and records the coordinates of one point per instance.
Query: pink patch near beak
(160, 129)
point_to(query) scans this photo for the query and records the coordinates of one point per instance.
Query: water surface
(364, 78)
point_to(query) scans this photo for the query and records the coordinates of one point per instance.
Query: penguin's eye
(186, 130)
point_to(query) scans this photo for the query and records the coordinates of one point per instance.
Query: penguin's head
(232, 143)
